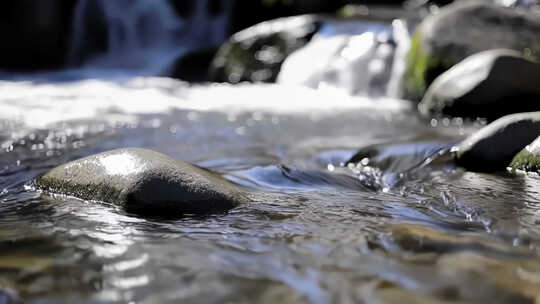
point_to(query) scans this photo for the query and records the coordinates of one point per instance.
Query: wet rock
(460, 30)
(493, 147)
(422, 239)
(142, 180)
(528, 159)
(489, 84)
(257, 53)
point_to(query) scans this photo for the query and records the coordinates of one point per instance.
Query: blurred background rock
(37, 34)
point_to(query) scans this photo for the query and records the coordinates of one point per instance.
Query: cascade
(144, 37)
(357, 57)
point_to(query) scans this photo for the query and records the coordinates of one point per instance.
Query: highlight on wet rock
(493, 147)
(488, 84)
(144, 180)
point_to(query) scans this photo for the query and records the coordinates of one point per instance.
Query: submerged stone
(480, 86)
(528, 159)
(424, 239)
(142, 179)
(493, 147)
(463, 29)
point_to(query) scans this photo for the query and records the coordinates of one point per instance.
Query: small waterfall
(402, 38)
(143, 37)
(352, 56)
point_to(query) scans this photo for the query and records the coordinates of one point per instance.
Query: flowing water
(359, 58)
(400, 224)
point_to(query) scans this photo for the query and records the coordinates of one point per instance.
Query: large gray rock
(493, 147)
(460, 30)
(144, 180)
(257, 53)
(528, 159)
(489, 84)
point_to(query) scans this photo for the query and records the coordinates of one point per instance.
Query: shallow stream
(392, 229)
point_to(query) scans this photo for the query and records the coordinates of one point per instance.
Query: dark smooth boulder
(493, 147)
(257, 53)
(528, 159)
(462, 29)
(489, 84)
(143, 180)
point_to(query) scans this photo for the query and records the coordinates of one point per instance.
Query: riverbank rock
(257, 53)
(528, 159)
(460, 30)
(493, 147)
(489, 84)
(142, 180)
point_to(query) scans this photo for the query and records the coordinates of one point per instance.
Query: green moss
(421, 69)
(526, 161)
(416, 62)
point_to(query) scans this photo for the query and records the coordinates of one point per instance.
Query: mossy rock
(493, 147)
(421, 69)
(528, 159)
(463, 29)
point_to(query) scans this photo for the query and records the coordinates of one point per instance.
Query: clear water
(400, 225)
(385, 231)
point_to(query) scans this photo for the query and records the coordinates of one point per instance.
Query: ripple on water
(311, 235)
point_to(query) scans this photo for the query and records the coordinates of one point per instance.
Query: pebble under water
(391, 228)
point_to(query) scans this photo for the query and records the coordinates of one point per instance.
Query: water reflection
(311, 235)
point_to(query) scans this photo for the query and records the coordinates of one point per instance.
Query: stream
(394, 226)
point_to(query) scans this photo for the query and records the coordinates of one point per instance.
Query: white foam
(348, 57)
(40, 104)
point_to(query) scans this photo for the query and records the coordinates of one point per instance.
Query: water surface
(388, 229)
